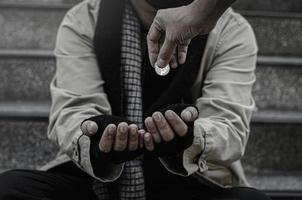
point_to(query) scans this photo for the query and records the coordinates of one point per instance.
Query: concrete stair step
(38, 2)
(274, 146)
(258, 5)
(30, 27)
(277, 35)
(269, 5)
(278, 184)
(24, 144)
(34, 27)
(27, 78)
(278, 87)
(25, 111)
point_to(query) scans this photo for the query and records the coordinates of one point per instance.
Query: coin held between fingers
(162, 71)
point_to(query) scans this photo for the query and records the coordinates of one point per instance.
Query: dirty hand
(171, 132)
(173, 28)
(117, 142)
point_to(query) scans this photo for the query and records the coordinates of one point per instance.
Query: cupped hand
(118, 143)
(163, 129)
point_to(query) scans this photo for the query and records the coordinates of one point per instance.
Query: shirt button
(75, 153)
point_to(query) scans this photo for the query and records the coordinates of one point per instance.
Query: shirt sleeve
(226, 104)
(77, 92)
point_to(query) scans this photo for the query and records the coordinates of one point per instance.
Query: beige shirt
(222, 92)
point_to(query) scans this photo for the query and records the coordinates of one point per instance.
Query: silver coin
(162, 71)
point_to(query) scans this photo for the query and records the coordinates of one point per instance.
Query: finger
(166, 52)
(133, 137)
(173, 62)
(148, 141)
(189, 114)
(177, 124)
(153, 41)
(89, 128)
(152, 129)
(166, 132)
(182, 51)
(141, 134)
(121, 138)
(107, 138)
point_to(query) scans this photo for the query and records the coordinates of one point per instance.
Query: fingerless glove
(113, 156)
(177, 144)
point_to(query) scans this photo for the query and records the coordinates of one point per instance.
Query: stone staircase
(273, 160)
(273, 156)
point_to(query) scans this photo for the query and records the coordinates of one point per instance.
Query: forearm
(208, 11)
(211, 7)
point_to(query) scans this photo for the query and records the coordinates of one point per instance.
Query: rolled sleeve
(77, 91)
(226, 103)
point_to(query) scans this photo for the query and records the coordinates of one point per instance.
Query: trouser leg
(235, 193)
(241, 193)
(67, 182)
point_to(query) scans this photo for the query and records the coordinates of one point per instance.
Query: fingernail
(169, 114)
(132, 132)
(148, 123)
(91, 128)
(161, 63)
(110, 134)
(188, 115)
(174, 65)
(123, 128)
(157, 117)
(148, 138)
(111, 129)
(141, 131)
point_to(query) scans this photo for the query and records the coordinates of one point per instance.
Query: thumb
(89, 128)
(189, 114)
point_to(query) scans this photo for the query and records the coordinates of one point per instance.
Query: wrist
(211, 6)
(208, 11)
(201, 13)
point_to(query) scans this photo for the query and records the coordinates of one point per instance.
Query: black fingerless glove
(177, 144)
(113, 156)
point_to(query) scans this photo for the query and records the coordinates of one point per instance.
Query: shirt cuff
(81, 156)
(193, 159)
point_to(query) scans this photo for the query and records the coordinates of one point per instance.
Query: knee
(246, 193)
(6, 179)
(8, 183)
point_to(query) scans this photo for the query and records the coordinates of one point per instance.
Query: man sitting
(126, 133)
